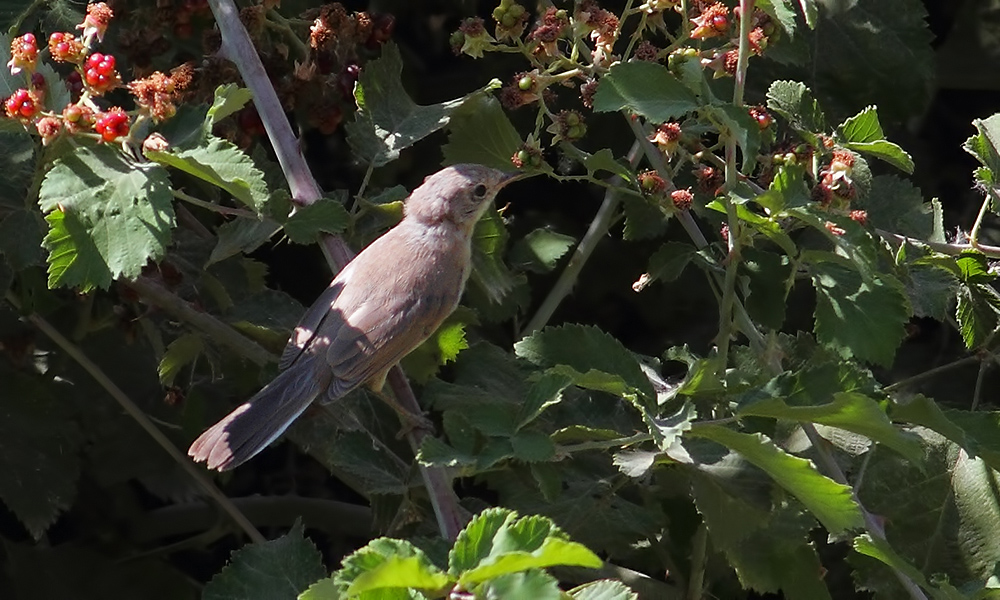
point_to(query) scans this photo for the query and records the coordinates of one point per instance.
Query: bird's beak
(511, 177)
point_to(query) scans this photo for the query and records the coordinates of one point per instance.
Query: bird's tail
(261, 419)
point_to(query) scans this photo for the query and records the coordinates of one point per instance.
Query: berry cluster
(100, 73)
(24, 53)
(112, 124)
(22, 104)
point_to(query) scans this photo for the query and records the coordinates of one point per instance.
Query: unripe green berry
(525, 83)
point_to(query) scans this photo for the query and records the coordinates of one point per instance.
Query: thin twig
(74, 352)
(217, 208)
(931, 373)
(174, 305)
(872, 524)
(567, 279)
(699, 552)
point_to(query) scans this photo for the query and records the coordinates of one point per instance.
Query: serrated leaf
(977, 313)
(387, 120)
(118, 215)
(863, 133)
(537, 585)
(40, 445)
(931, 280)
(281, 568)
(782, 11)
(603, 589)
(787, 190)
(794, 101)
(489, 271)
(830, 502)
(895, 205)
(985, 145)
(769, 282)
(409, 572)
(859, 317)
(241, 235)
(480, 132)
(602, 160)
(644, 88)
(554, 551)
(643, 218)
(229, 99)
(668, 262)
(584, 349)
(221, 164)
(850, 411)
(181, 352)
(540, 250)
(326, 215)
(736, 122)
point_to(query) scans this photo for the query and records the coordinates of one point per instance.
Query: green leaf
(858, 317)
(387, 120)
(40, 444)
(770, 278)
(221, 164)
(532, 447)
(181, 352)
(667, 263)
(540, 250)
(831, 502)
(602, 160)
(977, 313)
(274, 570)
(114, 217)
(480, 132)
(603, 589)
(863, 133)
(410, 572)
(644, 88)
(985, 145)
(895, 205)
(381, 564)
(643, 218)
(787, 190)
(21, 239)
(736, 122)
(793, 101)
(850, 411)
(881, 551)
(585, 349)
(782, 11)
(489, 271)
(241, 235)
(537, 585)
(229, 99)
(326, 215)
(931, 280)
(498, 543)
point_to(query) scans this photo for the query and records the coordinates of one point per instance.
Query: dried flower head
(96, 22)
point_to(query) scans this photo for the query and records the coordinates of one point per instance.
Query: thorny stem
(598, 227)
(977, 394)
(833, 470)
(74, 352)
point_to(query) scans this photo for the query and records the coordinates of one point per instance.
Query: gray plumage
(381, 306)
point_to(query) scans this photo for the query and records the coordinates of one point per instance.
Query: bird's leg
(410, 419)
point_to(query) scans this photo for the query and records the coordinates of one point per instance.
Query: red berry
(21, 104)
(56, 37)
(720, 22)
(29, 38)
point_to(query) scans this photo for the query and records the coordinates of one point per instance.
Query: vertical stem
(732, 179)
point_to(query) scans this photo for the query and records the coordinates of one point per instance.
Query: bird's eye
(479, 190)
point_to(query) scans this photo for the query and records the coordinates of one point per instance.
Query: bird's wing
(380, 332)
(310, 323)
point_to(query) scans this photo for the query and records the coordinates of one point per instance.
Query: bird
(381, 306)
